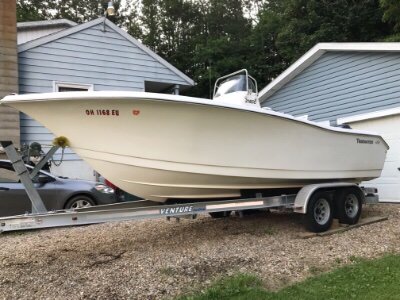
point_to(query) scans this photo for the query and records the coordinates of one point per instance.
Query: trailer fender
(302, 198)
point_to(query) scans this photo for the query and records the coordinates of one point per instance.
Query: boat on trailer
(173, 148)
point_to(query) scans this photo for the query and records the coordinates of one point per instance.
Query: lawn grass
(366, 279)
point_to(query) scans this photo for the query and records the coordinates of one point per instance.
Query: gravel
(158, 259)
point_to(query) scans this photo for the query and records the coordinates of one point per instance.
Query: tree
(130, 14)
(149, 22)
(222, 44)
(33, 10)
(314, 21)
(206, 39)
(391, 13)
(79, 11)
(266, 60)
(289, 28)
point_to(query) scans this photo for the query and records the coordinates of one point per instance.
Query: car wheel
(79, 202)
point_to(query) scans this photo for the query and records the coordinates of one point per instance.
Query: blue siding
(341, 84)
(33, 131)
(107, 60)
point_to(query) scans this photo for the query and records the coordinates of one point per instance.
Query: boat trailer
(312, 201)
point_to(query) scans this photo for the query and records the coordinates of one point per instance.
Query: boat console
(237, 88)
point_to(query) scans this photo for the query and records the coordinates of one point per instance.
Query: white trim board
(45, 23)
(58, 84)
(369, 116)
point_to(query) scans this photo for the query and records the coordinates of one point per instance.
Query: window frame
(62, 84)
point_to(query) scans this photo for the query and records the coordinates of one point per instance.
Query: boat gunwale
(124, 95)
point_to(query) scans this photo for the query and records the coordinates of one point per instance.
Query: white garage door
(389, 183)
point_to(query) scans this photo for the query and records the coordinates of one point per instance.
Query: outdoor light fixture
(110, 11)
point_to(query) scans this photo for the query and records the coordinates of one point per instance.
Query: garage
(353, 83)
(387, 124)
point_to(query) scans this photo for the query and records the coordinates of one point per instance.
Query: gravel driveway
(154, 259)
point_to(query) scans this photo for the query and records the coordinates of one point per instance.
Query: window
(59, 86)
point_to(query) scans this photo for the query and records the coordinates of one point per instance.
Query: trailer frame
(144, 209)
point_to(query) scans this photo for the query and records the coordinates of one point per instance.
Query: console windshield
(236, 83)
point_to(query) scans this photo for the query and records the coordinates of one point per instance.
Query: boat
(165, 147)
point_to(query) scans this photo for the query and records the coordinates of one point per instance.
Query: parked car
(56, 192)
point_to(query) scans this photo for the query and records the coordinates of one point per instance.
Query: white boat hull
(163, 147)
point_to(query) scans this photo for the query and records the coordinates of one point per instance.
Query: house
(59, 55)
(28, 31)
(353, 83)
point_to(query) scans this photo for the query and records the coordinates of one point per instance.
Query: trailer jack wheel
(319, 215)
(348, 205)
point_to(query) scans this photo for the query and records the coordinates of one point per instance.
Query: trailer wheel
(348, 205)
(319, 215)
(219, 214)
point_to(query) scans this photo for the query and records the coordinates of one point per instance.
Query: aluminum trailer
(319, 203)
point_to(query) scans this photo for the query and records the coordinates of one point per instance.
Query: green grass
(366, 279)
(240, 284)
(167, 271)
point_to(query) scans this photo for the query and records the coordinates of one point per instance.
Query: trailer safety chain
(61, 160)
(62, 142)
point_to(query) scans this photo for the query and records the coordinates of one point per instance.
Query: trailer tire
(219, 214)
(348, 205)
(319, 215)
